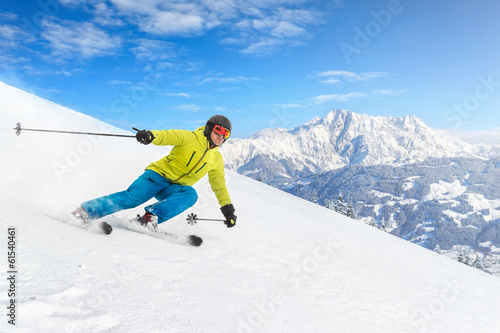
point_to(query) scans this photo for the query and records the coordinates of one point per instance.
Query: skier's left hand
(228, 211)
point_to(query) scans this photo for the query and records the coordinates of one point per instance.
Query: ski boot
(81, 214)
(148, 220)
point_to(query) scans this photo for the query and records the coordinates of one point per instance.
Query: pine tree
(351, 212)
(329, 204)
(468, 259)
(479, 263)
(340, 206)
(315, 197)
(462, 256)
(465, 256)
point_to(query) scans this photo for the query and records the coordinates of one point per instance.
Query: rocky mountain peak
(338, 139)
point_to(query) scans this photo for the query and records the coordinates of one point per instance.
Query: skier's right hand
(228, 211)
(145, 137)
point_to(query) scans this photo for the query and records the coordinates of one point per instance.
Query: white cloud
(231, 79)
(9, 37)
(260, 27)
(299, 16)
(8, 16)
(80, 39)
(12, 40)
(28, 69)
(185, 95)
(331, 81)
(337, 4)
(106, 16)
(173, 23)
(491, 137)
(8, 59)
(285, 106)
(188, 108)
(154, 50)
(10, 31)
(357, 94)
(287, 30)
(13, 37)
(264, 46)
(387, 92)
(257, 27)
(165, 18)
(274, 29)
(119, 83)
(335, 76)
(290, 106)
(336, 97)
(70, 2)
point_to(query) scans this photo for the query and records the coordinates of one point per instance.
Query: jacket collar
(199, 132)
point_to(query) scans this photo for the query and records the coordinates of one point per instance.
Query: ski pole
(193, 219)
(19, 129)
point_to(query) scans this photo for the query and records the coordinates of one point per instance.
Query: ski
(193, 240)
(100, 227)
(105, 228)
(178, 238)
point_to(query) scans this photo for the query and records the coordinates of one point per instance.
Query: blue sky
(278, 63)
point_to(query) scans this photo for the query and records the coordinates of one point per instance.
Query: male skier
(170, 180)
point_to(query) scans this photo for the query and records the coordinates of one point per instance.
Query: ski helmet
(216, 120)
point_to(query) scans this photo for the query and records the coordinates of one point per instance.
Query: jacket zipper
(199, 161)
(201, 167)
(191, 158)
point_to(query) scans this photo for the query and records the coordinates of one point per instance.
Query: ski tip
(195, 240)
(106, 228)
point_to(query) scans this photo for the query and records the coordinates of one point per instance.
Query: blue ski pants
(173, 199)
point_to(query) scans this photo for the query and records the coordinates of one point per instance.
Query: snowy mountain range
(445, 202)
(279, 157)
(287, 266)
(401, 175)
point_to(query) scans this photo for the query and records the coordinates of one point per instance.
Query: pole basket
(192, 219)
(18, 129)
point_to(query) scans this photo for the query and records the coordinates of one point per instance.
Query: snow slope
(288, 265)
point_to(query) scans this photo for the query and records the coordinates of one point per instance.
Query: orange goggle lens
(222, 131)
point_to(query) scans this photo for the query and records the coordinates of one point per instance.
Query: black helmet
(216, 120)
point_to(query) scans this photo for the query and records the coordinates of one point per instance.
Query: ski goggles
(222, 131)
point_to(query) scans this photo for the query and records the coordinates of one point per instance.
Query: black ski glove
(144, 137)
(228, 211)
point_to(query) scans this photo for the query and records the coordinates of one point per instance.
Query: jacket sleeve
(172, 137)
(217, 180)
